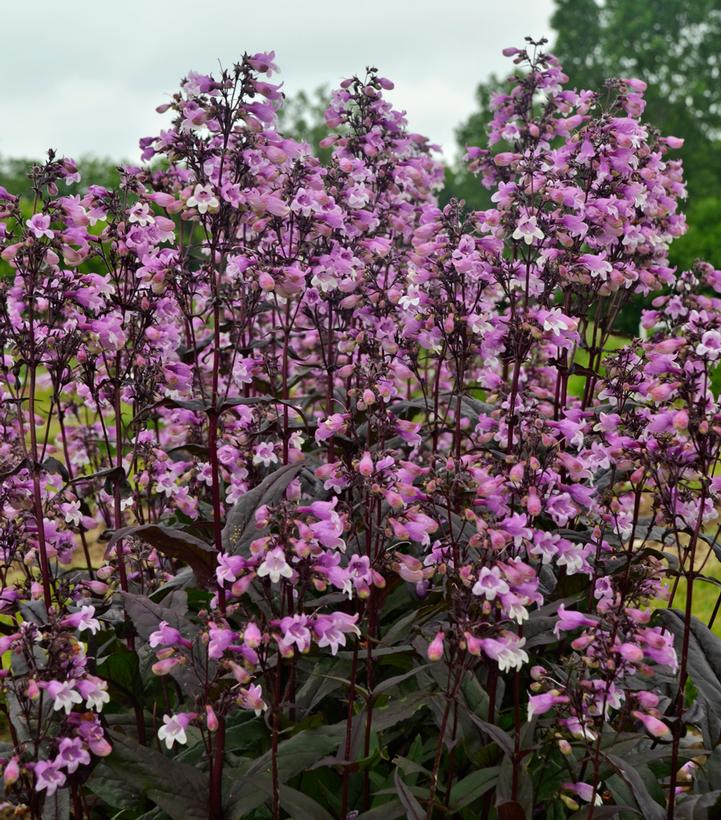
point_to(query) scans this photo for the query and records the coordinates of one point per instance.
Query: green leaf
(57, 806)
(244, 794)
(386, 811)
(240, 527)
(146, 614)
(502, 738)
(514, 803)
(301, 807)
(247, 793)
(699, 806)
(649, 807)
(113, 790)
(475, 785)
(121, 670)
(389, 683)
(176, 544)
(301, 751)
(181, 791)
(704, 662)
(414, 810)
(602, 812)
(398, 710)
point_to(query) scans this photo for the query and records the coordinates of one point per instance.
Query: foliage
(386, 511)
(302, 117)
(672, 45)
(15, 175)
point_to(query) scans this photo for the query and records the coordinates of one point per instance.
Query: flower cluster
(274, 426)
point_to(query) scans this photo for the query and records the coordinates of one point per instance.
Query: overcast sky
(85, 76)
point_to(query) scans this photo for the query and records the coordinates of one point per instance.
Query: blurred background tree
(302, 117)
(93, 171)
(673, 45)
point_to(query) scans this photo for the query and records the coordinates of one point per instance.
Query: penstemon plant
(320, 500)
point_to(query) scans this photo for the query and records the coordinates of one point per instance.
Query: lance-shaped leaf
(176, 544)
(146, 614)
(300, 752)
(409, 801)
(699, 806)
(57, 806)
(473, 786)
(180, 790)
(603, 812)
(240, 527)
(704, 662)
(650, 808)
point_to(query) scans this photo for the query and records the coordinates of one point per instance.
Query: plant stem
(37, 494)
(216, 772)
(349, 732)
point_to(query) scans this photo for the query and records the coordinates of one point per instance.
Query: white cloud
(92, 73)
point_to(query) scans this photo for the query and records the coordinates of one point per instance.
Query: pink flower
(252, 698)
(330, 630)
(48, 776)
(507, 651)
(435, 647)
(630, 652)
(365, 465)
(710, 345)
(83, 619)
(173, 728)
(490, 584)
(94, 691)
(275, 566)
(72, 754)
(221, 639)
(11, 772)
(295, 631)
(585, 792)
(597, 266)
(264, 454)
(39, 225)
(211, 719)
(527, 229)
(653, 725)
(166, 635)
(64, 694)
(539, 704)
(252, 636)
(334, 424)
(229, 568)
(569, 620)
(203, 198)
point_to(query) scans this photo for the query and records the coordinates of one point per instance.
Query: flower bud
(211, 719)
(435, 648)
(11, 772)
(564, 747)
(365, 465)
(266, 282)
(653, 725)
(538, 672)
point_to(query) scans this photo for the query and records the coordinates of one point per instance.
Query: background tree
(302, 117)
(673, 46)
(14, 174)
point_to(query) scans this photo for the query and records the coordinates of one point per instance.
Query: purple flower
(48, 776)
(39, 225)
(490, 584)
(275, 566)
(173, 729)
(71, 754)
